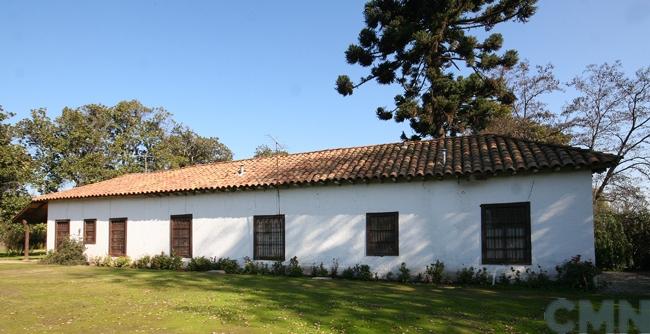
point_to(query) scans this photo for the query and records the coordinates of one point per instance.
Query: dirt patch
(624, 282)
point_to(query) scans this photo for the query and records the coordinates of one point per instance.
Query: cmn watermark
(561, 316)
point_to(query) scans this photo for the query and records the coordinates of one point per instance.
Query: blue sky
(242, 70)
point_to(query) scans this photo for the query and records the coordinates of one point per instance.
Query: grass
(80, 299)
(33, 254)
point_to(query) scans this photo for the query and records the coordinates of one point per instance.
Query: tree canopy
(94, 142)
(530, 117)
(421, 46)
(15, 172)
(612, 114)
(265, 151)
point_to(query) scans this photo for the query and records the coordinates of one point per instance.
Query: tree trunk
(601, 188)
(26, 239)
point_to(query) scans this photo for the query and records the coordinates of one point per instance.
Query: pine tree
(421, 46)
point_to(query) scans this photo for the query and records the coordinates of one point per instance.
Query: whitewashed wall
(437, 220)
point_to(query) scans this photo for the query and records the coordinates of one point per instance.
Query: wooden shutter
(90, 231)
(268, 238)
(181, 235)
(505, 233)
(62, 232)
(382, 234)
(117, 237)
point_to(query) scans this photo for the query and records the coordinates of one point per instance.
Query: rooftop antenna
(277, 169)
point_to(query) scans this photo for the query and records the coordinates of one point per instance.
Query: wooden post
(26, 239)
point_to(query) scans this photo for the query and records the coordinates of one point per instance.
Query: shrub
(515, 276)
(95, 261)
(249, 266)
(255, 268)
(294, 269)
(613, 248)
(434, 273)
(539, 279)
(69, 252)
(578, 274)
(404, 275)
(622, 239)
(166, 262)
(228, 265)
(334, 269)
(465, 276)
(278, 268)
(142, 263)
(200, 263)
(122, 262)
(107, 261)
(318, 271)
(637, 229)
(482, 277)
(263, 268)
(348, 273)
(359, 272)
(419, 278)
(362, 272)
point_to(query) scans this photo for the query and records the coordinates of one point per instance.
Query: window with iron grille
(382, 234)
(505, 231)
(268, 238)
(181, 235)
(90, 231)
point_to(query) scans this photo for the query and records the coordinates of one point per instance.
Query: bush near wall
(622, 240)
(573, 273)
(69, 252)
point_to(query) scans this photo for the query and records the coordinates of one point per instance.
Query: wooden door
(62, 232)
(117, 237)
(181, 236)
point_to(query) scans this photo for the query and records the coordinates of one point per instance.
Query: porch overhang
(33, 213)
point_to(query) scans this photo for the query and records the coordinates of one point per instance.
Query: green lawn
(33, 254)
(82, 299)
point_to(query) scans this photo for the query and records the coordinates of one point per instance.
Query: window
(62, 232)
(505, 230)
(181, 235)
(382, 234)
(117, 237)
(268, 238)
(90, 231)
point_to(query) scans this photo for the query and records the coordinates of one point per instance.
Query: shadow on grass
(37, 252)
(354, 305)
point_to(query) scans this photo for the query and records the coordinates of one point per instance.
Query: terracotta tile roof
(480, 154)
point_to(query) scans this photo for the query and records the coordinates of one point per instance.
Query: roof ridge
(272, 157)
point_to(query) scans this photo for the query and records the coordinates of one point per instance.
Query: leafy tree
(264, 151)
(421, 45)
(15, 171)
(39, 135)
(637, 228)
(15, 164)
(187, 148)
(612, 114)
(613, 249)
(530, 118)
(622, 237)
(96, 142)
